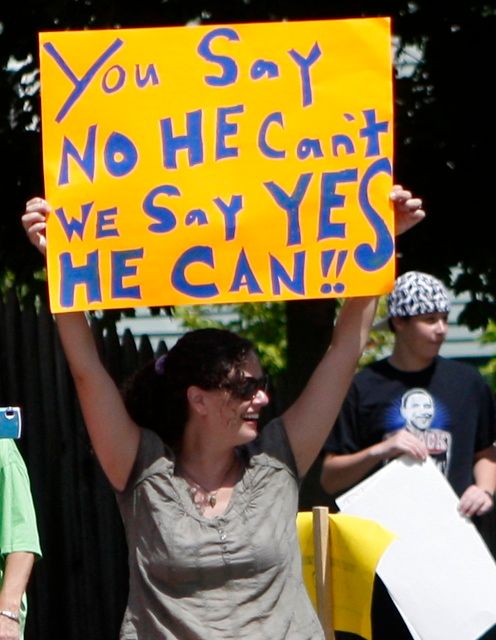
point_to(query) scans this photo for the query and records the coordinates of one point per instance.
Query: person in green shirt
(19, 540)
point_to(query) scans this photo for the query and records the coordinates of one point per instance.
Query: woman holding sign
(208, 501)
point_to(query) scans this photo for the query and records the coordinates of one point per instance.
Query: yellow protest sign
(356, 546)
(210, 164)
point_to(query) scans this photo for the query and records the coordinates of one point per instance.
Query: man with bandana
(417, 403)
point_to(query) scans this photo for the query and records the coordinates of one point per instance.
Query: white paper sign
(439, 571)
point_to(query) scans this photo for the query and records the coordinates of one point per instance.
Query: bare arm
(114, 436)
(340, 472)
(18, 567)
(476, 499)
(308, 420)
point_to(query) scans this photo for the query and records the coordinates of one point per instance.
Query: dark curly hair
(155, 396)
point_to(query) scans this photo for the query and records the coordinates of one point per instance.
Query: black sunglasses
(247, 387)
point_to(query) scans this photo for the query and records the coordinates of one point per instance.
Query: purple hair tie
(160, 365)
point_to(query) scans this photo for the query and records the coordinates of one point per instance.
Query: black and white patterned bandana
(416, 293)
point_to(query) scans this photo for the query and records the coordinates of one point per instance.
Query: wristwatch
(11, 615)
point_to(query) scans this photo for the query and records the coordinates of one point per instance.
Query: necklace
(201, 497)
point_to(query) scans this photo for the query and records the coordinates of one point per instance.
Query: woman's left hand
(407, 209)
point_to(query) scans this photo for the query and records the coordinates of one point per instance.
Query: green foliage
(264, 323)
(489, 335)
(489, 369)
(36, 289)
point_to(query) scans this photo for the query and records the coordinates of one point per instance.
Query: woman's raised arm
(309, 420)
(114, 436)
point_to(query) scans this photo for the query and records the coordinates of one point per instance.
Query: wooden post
(321, 533)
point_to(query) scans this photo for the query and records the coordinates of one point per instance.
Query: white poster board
(439, 571)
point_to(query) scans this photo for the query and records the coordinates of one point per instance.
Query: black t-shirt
(448, 405)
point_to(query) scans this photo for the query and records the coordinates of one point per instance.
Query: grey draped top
(233, 577)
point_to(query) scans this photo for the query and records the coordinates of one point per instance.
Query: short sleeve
(18, 528)
(152, 453)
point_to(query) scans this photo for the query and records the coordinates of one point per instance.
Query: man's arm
(478, 498)
(18, 567)
(342, 471)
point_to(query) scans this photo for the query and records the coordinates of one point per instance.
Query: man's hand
(401, 443)
(475, 502)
